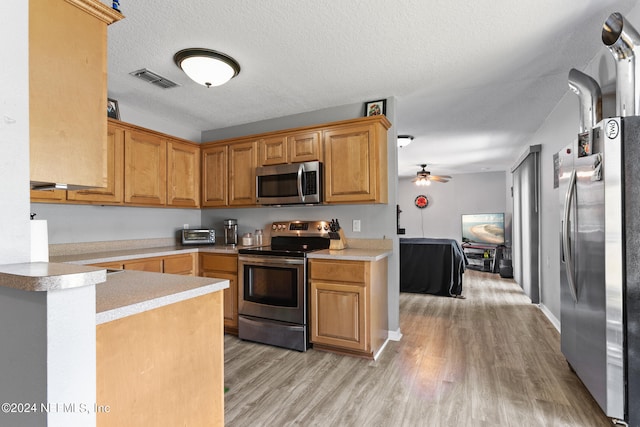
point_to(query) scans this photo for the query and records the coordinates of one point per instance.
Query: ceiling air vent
(153, 78)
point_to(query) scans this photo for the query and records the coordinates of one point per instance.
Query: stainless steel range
(273, 296)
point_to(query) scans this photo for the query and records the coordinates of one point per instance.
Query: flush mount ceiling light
(207, 67)
(404, 140)
(424, 177)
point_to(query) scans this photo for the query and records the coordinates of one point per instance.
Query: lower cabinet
(224, 266)
(348, 305)
(172, 264)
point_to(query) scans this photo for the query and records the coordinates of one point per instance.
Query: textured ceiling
(473, 79)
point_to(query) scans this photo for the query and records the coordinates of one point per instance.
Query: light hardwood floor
(492, 359)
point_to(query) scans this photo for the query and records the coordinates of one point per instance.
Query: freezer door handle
(566, 240)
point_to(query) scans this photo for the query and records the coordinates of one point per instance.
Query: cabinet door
(304, 147)
(214, 176)
(273, 151)
(48, 196)
(115, 172)
(355, 165)
(230, 297)
(145, 161)
(183, 174)
(153, 265)
(338, 315)
(113, 265)
(179, 264)
(242, 174)
(68, 96)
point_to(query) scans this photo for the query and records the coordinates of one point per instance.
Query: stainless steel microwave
(290, 184)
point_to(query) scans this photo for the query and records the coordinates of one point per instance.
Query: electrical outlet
(356, 225)
(185, 226)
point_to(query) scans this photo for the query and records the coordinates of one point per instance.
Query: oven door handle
(270, 260)
(300, 175)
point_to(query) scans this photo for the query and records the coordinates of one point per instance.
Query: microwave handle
(300, 175)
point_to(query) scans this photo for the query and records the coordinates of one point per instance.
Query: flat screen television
(487, 228)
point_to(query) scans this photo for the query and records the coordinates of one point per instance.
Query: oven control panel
(300, 228)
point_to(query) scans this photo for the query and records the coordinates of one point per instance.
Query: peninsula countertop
(128, 292)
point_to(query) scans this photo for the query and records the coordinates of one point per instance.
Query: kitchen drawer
(179, 264)
(219, 262)
(111, 265)
(343, 271)
(146, 264)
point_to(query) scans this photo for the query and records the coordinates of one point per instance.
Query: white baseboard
(553, 319)
(395, 335)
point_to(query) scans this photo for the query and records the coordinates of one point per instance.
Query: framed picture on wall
(375, 108)
(112, 109)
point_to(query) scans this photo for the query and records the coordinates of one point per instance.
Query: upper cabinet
(229, 173)
(354, 154)
(113, 193)
(144, 168)
(145, 172)
(183, 174)
(290, 148)
(242, 174)
(215, 176)
(355, 167)
(68, 92)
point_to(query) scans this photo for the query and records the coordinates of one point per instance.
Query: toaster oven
(200, 236)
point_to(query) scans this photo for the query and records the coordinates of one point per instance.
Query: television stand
(483, 257)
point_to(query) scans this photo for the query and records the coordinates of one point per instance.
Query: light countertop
(351, 254)
(129, 254)
(47, 276)
(130, 292)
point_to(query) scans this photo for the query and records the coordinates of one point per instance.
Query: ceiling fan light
(404, 140)
(207, 67)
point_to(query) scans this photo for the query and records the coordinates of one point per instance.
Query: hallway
(492, 359)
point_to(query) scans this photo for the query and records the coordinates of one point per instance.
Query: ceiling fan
(424, 177)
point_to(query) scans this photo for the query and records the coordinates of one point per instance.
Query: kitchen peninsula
(126, 348)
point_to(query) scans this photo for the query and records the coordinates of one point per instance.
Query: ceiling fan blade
(438, 178)
(443, 176)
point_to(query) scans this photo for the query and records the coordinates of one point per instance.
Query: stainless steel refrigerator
(599, 189)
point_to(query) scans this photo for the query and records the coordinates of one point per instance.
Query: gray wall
(88, 223)
(464, 193)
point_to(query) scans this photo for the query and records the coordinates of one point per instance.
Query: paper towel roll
(39, 241)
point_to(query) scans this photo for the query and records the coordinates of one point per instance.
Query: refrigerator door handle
(566, 242)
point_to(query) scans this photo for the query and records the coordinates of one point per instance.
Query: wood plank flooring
(492, 359)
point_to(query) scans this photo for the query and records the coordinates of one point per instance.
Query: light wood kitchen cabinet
(304, 147)
(348, 305)
(180, 264)
(228, 174)
(224, 266)
(215, 176)
(113, 193)
(68, 91)
(356, 163)
(153, 265)
(242, 173)
(183, 174)
(162, 367)
(282, 149)
(145, 172)
(273, 150)
(48, 196)
(184, 264)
